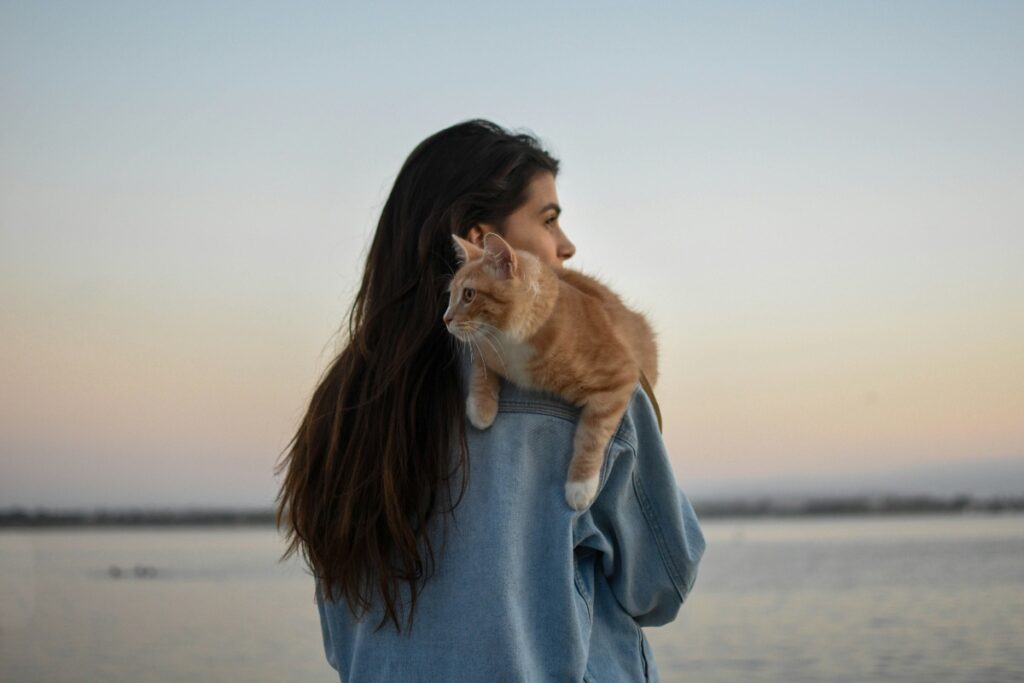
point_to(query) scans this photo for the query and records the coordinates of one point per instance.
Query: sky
(818, 205)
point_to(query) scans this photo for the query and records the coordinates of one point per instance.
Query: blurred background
(818, 205)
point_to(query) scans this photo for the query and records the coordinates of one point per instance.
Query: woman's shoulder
(640, 416)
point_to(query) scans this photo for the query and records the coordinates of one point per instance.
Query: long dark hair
(384, 435)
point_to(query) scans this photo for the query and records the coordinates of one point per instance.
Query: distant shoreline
(42, 518)
(20, 518)
(857, 505)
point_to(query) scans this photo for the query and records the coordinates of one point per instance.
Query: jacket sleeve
(642, 524)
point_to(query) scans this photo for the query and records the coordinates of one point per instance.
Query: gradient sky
(820, 206)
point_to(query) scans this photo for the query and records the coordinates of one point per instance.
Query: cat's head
(493, 289)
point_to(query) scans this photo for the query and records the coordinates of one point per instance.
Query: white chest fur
(513, 359)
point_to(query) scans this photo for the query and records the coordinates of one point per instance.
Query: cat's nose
(447, 318)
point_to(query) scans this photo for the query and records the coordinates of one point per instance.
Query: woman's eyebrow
(552, 205)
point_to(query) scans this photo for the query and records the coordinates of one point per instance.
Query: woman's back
(526, 589)
(504, 582)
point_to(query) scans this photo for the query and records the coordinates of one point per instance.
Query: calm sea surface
(841, 599)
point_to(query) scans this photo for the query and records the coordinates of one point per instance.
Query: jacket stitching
(643, 653)
(562, 412)
(664, 549)
(567, 415)
(578, 581)
(507, 406)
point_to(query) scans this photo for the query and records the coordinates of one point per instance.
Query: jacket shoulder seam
(564, 412)
(549, 409)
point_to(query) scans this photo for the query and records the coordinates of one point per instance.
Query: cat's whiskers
(468, 341)
(467, 333)
(482, 363)
(471, 340)
(492, 341)
(459, 336)
(493, 333)
(461, 331)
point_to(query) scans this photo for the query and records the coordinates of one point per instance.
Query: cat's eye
(468, 294)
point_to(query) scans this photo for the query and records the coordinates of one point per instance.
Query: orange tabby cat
(554, 330)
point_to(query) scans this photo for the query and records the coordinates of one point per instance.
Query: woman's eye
(468, 294)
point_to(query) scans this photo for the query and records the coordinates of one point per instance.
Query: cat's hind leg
(598, 421)
(482, 401)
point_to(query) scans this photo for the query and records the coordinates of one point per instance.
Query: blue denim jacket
(526, 589)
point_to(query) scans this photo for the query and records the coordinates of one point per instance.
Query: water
(854, 599)
(842, 599)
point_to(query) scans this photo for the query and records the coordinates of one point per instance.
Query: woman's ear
(477, 232)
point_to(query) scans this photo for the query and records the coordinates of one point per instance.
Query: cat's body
(558, 331)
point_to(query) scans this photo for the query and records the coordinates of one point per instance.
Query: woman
(444, 553)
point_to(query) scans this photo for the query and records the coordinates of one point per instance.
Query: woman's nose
(566, 249)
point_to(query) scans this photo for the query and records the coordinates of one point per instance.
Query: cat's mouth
(461, 331)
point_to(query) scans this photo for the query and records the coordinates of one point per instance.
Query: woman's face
(534, 227)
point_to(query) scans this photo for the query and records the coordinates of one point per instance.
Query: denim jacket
(525, 588)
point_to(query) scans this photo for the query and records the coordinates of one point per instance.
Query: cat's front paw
(481, 413)
(580, 494)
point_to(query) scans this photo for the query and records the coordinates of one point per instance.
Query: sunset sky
(819, 205)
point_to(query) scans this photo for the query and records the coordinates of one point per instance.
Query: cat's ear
(500, 255)
(465, 250)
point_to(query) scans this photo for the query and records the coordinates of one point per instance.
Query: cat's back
(631, 325)
(600, 294)
(588, 285)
